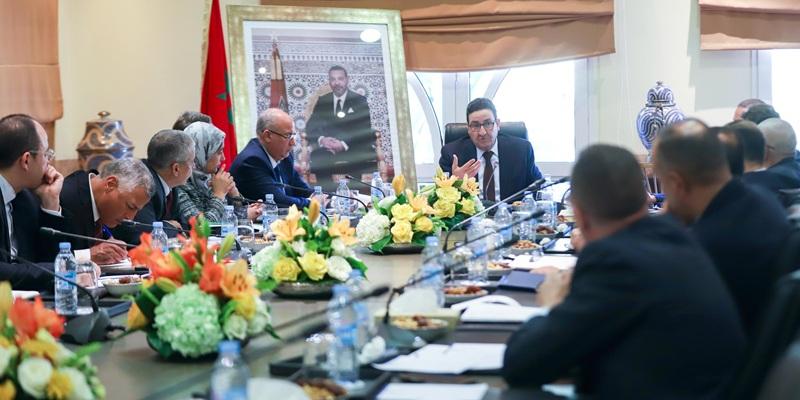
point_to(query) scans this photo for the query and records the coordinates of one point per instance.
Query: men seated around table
(504, 164)
(29, 190)
(782, 172)
(742, 228)
(752, 141)
(734, 149)
(644, 316)
(170, 156)
(267, 163)
(760, 112)
(743, 106)
(189, 117)
(94, 203)
(208, 188)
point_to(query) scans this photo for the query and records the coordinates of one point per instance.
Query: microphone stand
(333, 194)
(243, 199)
(81, 329)
(134, 224)
(54, 232)
(350, 177)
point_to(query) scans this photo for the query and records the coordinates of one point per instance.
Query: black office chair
(456, 130)
(788, 260)
(782, 382)
(779, 326)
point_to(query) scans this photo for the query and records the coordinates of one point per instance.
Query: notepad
(527, 262)
(521, 280)
(433, 391)
(453, 359)
(488, 313)
(24, 294)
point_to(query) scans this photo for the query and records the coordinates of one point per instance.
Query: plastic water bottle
(477, 265)
(343, 321)
(229, 222)
(433, 268)
(366, 328)
(229, 379)
(528, 229)
(342, 203)
(66, 295)
(269, 211)
(159, 237)
(503, 218)
(377, 182)
(388, 189)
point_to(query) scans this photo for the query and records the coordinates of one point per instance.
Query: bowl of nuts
(429, 329)
(119, 286)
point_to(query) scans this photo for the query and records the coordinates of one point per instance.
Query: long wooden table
(131, 370)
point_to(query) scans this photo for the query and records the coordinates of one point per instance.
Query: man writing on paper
(646, 315)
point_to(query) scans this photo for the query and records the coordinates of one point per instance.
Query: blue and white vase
(659, 112)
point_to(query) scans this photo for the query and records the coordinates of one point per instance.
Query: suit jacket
(355, 129)
(154, 210)
(785, 174)
(252, 170)
(743, 229)
(76, 203)
(517, 162)
(647, 317)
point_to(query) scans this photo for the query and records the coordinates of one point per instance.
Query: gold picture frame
(243, 19)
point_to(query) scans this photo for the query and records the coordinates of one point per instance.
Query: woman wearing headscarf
(206, 190)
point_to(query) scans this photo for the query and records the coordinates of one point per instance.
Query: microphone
(81, 329)
(55, 232)
(243, 199)
(135, 224)
(333, 194)
(351, 178)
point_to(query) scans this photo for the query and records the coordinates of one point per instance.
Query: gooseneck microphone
(166, 226)
(243, 199)
(57, 233)
(352, 179)
(81, 329)
(332, 194)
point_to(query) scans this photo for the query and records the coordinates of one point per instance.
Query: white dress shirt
(164, 185)
(336, 99)
(496, 165)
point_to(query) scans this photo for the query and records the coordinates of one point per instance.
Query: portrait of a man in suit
(339, 133)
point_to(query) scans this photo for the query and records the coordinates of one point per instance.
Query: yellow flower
(341, 228)
(7, 390)
(294, 214)
(470, 185)
(238, 280)
(467, 206)
(245, 305)
(423, 224)
(313, 211)
(4, 342)
(439, 173)
(420, 204)
(314, 265)
(39, 348)
(448, 194)
(402, 212)
(444, 209)
(6, 298)
(402, 232)
(399, 184)
(59, 386)
(285, 270)
(136, 320)
(286, 229)
(444, 182)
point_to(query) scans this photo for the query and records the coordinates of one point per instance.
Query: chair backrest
(782, 382)
(779, 327)
(456, 130)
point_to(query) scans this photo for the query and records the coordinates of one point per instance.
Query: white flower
(34, 374)
(386, 202)
(263, 261)
(299, 247)
(373, 227)
(261, 319)
(80, 388)
(235, 327)
(341, 249)
(339, 268)
(5, 357)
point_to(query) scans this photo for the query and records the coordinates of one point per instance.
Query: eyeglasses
(476, 126)
(287, 136)
(49, 154)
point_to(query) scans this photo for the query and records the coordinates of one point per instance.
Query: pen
(107, 232)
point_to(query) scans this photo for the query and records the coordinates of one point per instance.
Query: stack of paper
(453, 359)
(433, 391)
(24, 294)
(489, 312)
(527, 262)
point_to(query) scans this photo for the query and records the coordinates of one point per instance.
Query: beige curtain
(465, 35)
(29, 74)
(749, 24)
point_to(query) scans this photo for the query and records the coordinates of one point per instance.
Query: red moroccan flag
(216, 100)
(277, 88)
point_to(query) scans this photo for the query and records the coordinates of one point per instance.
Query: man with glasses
(29, 190)
(266, 164)
(503, 164)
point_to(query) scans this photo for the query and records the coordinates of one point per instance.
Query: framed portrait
(339, 73)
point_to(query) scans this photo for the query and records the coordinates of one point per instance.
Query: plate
(305, 290)
(458, 298)
(121, 289)
(402, 335)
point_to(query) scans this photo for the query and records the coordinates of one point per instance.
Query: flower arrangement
(195, 297)
(406, 218)
(453, 199)
(32, 363)
(305, 252)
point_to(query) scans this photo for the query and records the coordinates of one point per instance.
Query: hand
(577, 240)
(50, 189)
(233, 191)
(554, 288)
(253, 211)
(469, 169)
(108, 253)
(333, 145)
(221, 183)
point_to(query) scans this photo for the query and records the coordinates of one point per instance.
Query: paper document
(24, 294)
(433, 391)
(489, 312)
(453, 359)
(492, 298)
(527, 262)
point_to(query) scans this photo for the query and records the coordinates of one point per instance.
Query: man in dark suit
(741, 227)
(646, 315)
(29, 192)
(97, 203)
(266, 163)
(170, 157)
(339, 133)
(782, 171)
(504, 164)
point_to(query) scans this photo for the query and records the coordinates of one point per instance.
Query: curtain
(29, 72)
(749, 24)
(467, 35)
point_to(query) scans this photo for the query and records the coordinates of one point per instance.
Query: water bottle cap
(64, 246)
(158, 224)
(432, 241)
(228, 208)
(229, 346)
(269, 197)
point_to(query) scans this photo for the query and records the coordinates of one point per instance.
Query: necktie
(168, 206)
(488, 176)
(338, 106)
(12, 242)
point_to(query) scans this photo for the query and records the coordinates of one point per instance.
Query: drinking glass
(317, 353)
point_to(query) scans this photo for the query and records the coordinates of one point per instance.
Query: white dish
(117, 289)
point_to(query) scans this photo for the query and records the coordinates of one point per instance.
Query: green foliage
(380, 244)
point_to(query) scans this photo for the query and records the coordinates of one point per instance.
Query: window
(549, 98)
(785, 84)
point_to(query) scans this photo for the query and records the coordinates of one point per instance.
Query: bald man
(782, 172)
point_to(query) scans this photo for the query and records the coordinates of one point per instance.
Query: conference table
(131, 370)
